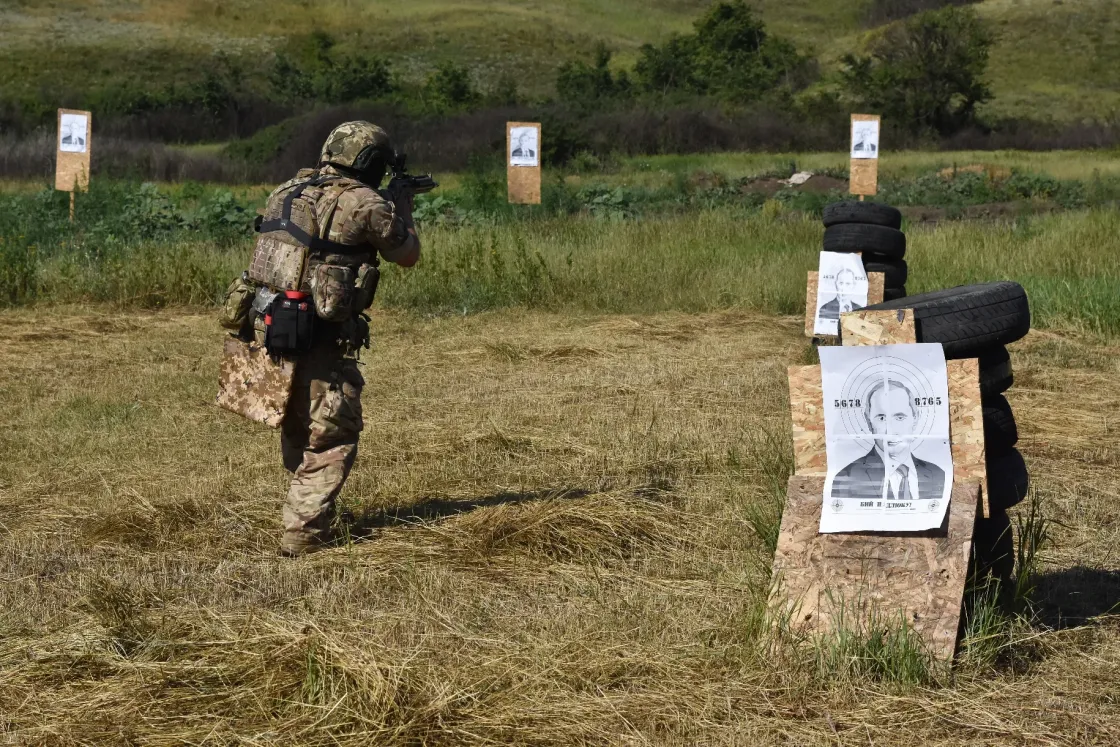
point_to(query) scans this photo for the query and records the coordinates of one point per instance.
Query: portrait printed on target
(524, 146)
(841, 286)
(73, 133)
(886, 423)
(865, 138)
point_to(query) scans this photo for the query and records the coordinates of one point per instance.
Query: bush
(313, 70)
(926, 73)
(581, 85)
(731, 55)
(449, 89)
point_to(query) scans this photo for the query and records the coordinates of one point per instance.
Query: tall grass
(718, 259)
(1069, 264)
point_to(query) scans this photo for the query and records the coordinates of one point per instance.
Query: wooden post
(820, 578)
(864, 170)
(523, 162)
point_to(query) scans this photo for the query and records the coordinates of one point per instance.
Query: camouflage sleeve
(374, 220)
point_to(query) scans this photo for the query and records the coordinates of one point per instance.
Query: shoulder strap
(314, 243)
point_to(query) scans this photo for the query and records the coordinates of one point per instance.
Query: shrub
(580, 84)
(927, 72)
(450, 88)
(313, 70)
(731, 55)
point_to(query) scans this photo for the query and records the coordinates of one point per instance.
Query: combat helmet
(360, 148)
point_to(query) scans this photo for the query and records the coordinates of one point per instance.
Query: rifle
(405, 184)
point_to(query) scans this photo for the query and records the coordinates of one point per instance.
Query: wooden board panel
(876, 284)
(818, 577)
(966, 419)
(863, 174)
(878, 327)
(71, 171)
(524, 182)
(252, 384)
(806, 402)
(922, 575)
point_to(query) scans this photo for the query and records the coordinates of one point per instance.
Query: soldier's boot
(310, 505)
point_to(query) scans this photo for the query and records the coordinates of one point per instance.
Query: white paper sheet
(886, 425)
(73, 133)
(524, 148)
(865, 139)
(841, 286)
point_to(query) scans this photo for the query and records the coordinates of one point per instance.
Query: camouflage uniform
(319, 432)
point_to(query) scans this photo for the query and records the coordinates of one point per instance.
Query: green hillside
(1053, 59)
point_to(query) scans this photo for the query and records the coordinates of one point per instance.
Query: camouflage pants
(319, 440)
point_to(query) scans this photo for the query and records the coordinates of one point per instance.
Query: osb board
(818, 577)
(252, 384)
(876, 288)
(71, 170)
(524, 182)
(806, 403)
(966, 421)
(865, 327)
(863, 174)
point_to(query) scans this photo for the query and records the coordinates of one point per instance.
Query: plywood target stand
(71, 173)
(820, 578)
(523, 162)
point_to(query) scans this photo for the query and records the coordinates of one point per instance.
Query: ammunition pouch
(366, 286)
(238, 304)
(290, 324)
(333, 291)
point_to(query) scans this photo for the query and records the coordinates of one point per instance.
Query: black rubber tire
(1000, 432)
(873, 257)
(1008, 481)
(996, 375)
(969, 320)
(994, 543)
(858, 237)
(853, 211)
(893, 294)
(895, 272)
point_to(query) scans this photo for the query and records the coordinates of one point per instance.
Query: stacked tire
(875, 230)
(979, 321)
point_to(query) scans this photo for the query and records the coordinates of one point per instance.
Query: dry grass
(552, 545)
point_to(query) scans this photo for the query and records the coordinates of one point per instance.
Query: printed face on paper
(524, 147)
(73, 133)
(865, 139)
(890, 464)
(841, 287)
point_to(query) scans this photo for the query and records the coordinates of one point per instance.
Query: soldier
(338, 212)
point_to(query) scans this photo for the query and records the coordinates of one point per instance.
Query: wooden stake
(71, 206)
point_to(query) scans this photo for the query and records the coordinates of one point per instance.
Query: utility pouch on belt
(237, 304)
(366, 286)
(333, 290)
(289, 324)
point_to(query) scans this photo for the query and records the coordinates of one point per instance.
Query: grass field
(1051, 61)
(557, 539)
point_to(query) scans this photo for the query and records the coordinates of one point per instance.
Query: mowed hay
(559, 534)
